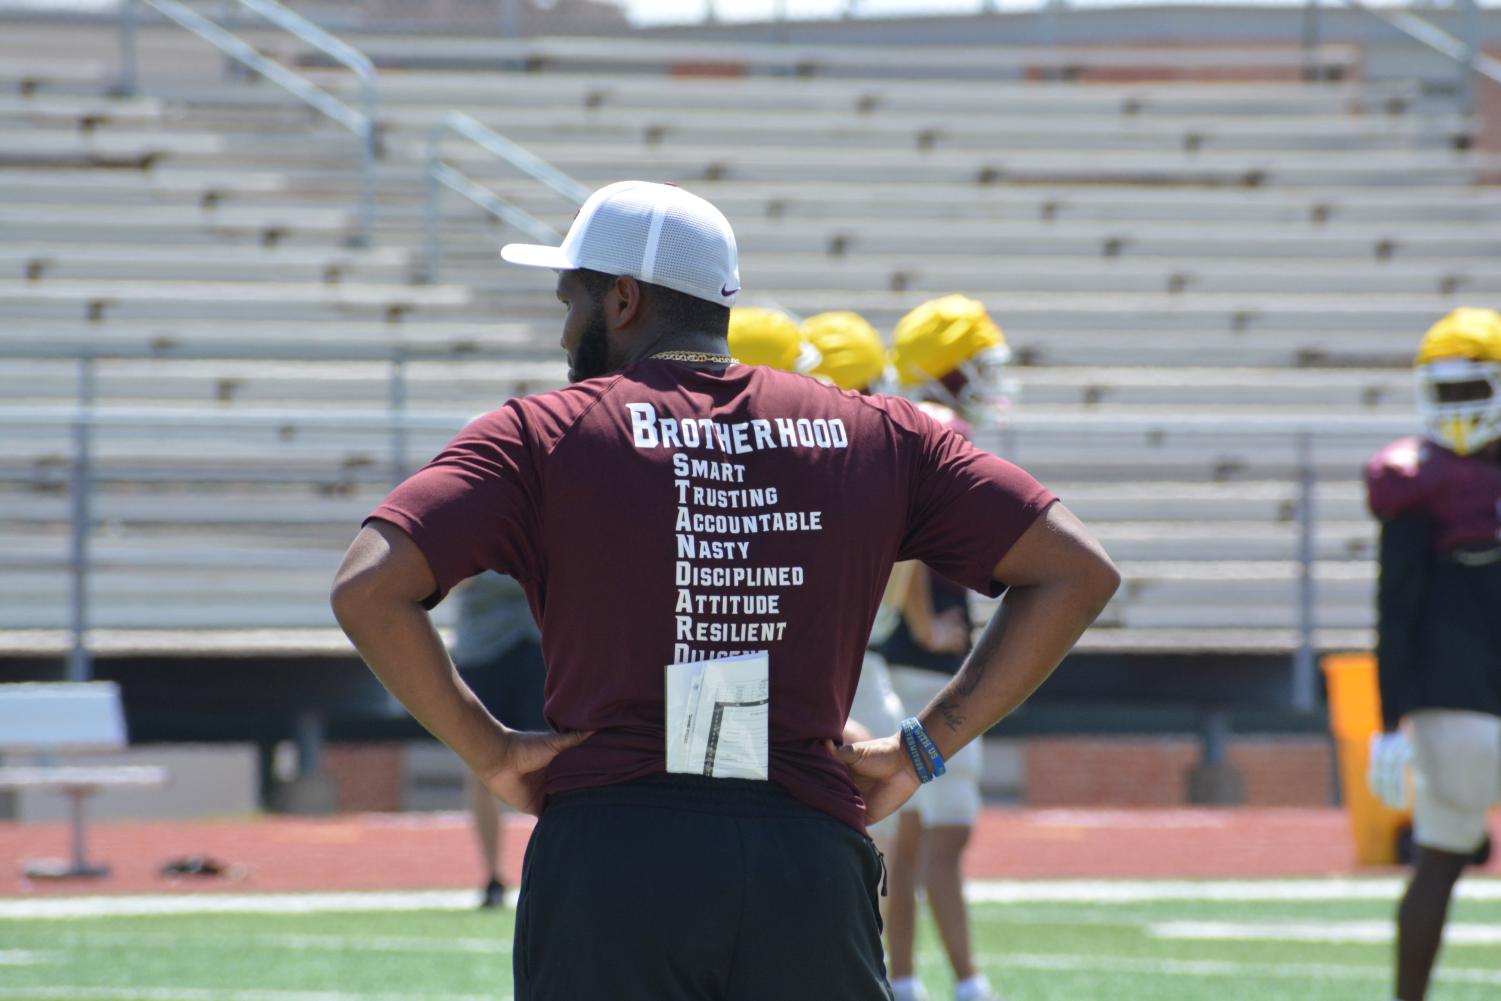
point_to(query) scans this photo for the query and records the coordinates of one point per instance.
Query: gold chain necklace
(694, 357)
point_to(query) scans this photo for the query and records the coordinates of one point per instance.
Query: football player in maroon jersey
(1439, 623)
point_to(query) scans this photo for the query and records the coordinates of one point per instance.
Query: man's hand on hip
(883, 772)
(517, 779)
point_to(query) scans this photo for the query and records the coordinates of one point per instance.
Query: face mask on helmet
(950, 351)
(977, 387)
(1460, 403)
(808, 359)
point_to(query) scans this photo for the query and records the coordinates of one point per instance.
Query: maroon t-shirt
(667, 513)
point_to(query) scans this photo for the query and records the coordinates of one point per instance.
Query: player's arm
(899, 584)
(939, 633)
(1059, 579)
(1405, 553)
(917, 604)
(378, 597)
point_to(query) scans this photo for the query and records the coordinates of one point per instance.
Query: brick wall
(1087, 771)
(1285, 772)
(1056, 771)
(369, 776)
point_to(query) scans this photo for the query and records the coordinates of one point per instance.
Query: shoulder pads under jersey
(1396, 478)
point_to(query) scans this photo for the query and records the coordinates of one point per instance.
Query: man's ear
(623, 305)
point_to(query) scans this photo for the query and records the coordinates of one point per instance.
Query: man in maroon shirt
(704, 545)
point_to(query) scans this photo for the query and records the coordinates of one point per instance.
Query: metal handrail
(114, 416)
(87, 416)
(361, 122)
(102, 347)
(1465, 52)
(146, 418)
(1009, 60)
(440, 175)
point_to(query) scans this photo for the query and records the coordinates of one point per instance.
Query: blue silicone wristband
(930, 750)
(914, 751)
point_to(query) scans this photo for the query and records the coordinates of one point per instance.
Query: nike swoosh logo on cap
(727, 292)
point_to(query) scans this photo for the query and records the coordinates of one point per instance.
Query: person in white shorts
(923, 652)
(1439, 624)
(950, 356)
(878, 709)
(1457, 760)
(842, 348)
(923, 647)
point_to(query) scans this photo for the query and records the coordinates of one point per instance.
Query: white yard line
(75, 992)
(1083, 891)
(1117, 965)
(1353, 932)
(235, 903)
(299, 943)
(25, 957)
(1137, 891)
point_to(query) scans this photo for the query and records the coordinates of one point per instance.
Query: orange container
(1354, 715)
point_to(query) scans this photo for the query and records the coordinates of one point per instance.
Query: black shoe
(494, 895)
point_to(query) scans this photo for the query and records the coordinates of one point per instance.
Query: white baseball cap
(655, 233)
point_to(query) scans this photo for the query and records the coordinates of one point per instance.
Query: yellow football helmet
(950, 349)
(851, 353)
(1459, 380)
(769, 337)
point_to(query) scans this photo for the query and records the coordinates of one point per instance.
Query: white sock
(908, 989)
(973, 989)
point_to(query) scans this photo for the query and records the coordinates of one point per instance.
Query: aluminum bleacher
(1167, 259)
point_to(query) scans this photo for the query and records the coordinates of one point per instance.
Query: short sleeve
(968, 508)
(1395, 484)
(475, 506)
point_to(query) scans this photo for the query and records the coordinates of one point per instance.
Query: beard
(593, 355)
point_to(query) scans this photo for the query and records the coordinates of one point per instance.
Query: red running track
(410, 851)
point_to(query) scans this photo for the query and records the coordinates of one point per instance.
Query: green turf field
(1153, 950)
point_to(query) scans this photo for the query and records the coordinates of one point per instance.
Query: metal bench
(27, 75)
(45, 720)
(38, 260)
(616, 92)
(810, 199)
(938, 130)
(288, 300)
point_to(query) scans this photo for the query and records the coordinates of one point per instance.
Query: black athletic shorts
(510, 686)
(683, 888)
